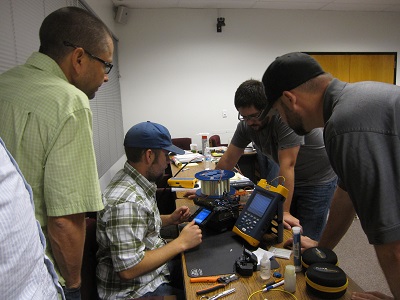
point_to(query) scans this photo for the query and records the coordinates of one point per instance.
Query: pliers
(221, 281)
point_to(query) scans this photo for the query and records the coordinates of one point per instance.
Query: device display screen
(259, 204)
(202, 215)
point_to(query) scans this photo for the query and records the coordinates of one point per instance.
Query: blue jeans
(310, 204)
(72, 294)
(165, 289)
(175, 287)
(269, 169)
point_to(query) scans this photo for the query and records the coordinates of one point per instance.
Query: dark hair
(76, 26)
(251, 92)
(135, 154)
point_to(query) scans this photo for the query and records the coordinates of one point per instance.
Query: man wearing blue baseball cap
(362, 139)
(133, 258)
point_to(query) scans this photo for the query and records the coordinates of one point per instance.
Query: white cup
(193, 148)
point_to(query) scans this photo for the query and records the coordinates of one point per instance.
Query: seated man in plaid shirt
(134, 260)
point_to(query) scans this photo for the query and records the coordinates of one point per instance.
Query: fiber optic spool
(214, 182)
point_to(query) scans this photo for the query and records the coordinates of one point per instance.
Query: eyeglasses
(107, 66)
(251, 117)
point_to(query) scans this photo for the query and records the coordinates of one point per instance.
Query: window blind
(20, 21)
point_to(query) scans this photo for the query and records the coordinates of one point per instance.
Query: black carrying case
(318, 255)
(326, 281)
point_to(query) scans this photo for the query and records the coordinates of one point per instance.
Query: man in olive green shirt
(46, 122)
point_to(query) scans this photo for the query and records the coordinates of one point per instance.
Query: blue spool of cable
(215, 183)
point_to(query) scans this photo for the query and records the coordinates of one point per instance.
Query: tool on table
(270, 287)
(246, 263)
(222, 281)
(188, 183)
(220, 295)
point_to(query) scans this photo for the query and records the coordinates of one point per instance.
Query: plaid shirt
(128, 226)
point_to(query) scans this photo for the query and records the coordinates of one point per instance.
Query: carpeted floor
(358, 259)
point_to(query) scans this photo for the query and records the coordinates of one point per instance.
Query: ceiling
(335, 5)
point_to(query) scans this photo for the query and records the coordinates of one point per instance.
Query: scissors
(220, 295)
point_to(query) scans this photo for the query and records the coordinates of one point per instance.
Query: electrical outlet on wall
(224, 113)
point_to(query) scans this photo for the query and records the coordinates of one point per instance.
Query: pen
(270, 287)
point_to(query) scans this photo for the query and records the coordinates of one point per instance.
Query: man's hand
(289, 221)
(181, 214)
(190, 194)
(306, 243)
(190, 236)
(370, 295)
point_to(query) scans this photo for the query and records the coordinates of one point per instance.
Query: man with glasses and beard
(302, 161)
(134, 261)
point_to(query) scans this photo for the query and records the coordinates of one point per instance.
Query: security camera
(220, 23)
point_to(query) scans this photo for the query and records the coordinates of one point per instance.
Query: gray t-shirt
(312, 165)
(362, 140)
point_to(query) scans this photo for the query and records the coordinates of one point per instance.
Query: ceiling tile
(340, 5)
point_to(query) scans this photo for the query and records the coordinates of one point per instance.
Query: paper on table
(239, 178)
(280, 252)
(260, 253)
(192, 164)
(192, 157)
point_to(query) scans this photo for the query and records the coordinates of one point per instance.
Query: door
(359, 66)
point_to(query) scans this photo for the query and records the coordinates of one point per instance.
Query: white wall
(178, 71)
(105, 11)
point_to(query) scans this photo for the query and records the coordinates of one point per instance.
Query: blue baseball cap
(150, 135)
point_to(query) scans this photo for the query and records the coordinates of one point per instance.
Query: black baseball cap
(287, 72)
(149, 135)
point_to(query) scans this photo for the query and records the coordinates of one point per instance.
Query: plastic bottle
(296, 248)
(207, 158)
(290, 279)
(265, 267)
(203, 144)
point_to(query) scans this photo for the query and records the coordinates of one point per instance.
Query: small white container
(290, 279)
(193, 148)
(265, 267)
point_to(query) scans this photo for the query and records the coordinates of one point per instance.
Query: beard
(154, 177)
(154, 173)
(294, 121)
(261, 124)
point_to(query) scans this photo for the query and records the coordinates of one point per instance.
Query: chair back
(183, 143)
(214, 141)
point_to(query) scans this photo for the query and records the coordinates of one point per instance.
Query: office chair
(215, 141)
(183, 143)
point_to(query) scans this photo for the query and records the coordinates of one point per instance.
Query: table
(245, 286)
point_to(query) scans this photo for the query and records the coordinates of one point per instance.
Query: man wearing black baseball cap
(133, 258)
(361, 134)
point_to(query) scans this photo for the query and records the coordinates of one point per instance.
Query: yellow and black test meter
(264, 204)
